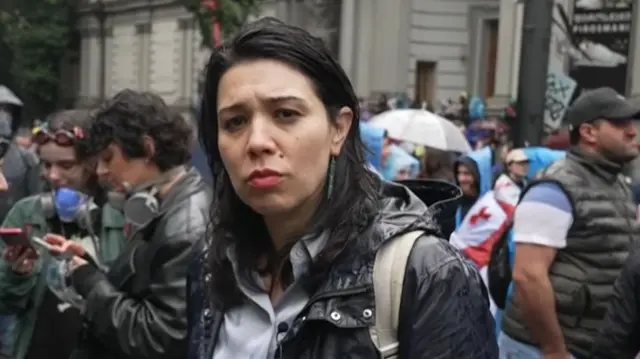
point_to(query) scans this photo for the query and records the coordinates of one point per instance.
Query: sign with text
(560, 88)
(602, 29)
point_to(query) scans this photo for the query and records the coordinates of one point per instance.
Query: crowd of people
(313, 233)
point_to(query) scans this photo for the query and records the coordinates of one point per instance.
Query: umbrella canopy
(422, 128)
(8, 97)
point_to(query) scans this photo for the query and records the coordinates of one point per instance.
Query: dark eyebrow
(279, 99)
(271, 100)
(59, 160)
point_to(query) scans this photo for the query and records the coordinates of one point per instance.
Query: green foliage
(36, 34)
(230, 14)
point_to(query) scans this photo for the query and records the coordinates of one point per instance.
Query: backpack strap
(388, 279)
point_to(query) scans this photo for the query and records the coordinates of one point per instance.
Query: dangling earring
(331, 176)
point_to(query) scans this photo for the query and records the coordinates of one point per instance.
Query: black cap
(599, 103)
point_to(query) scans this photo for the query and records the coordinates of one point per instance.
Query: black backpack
(499, 269)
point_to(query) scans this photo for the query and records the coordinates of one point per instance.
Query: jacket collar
(596, 164)
(190, 183)
(406, 206)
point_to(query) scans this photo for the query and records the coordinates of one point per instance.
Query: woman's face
(274, 136)
(60, 166)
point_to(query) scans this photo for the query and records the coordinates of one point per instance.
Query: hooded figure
(489, 218)
(474, 175)
(540, 158)
(373, 139)
(400, 165)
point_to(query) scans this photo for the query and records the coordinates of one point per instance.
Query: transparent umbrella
(423, 128)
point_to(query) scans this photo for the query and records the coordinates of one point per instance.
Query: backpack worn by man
(499, 270)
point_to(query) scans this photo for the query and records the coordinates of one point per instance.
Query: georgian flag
(481, 228)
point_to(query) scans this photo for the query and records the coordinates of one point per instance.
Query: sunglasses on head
(63, 138)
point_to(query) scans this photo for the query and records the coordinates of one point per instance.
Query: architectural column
(108, 83)
(348, 36)
(85, 61)
(507, 63)
(187, 52)
(143, 41)
(90, 63)
(515, 51)
(365, 35)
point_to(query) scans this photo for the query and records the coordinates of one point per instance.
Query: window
(425, 90)
(483, 49)
(490, 42)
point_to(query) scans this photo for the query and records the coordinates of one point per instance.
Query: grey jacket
(604, 229)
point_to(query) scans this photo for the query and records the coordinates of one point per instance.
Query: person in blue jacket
(376, 144)
(474, 175)
(379, 151)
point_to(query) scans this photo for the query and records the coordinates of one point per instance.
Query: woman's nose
(53, 174)
(101, 169)
(260, 138)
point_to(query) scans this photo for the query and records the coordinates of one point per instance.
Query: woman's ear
(341, 127)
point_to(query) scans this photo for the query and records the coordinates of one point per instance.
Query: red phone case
(11, 231)
(14, 237)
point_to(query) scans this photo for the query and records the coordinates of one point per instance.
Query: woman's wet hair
(353, 203)
(438, 165)
(129, 116)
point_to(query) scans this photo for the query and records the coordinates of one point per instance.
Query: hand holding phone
(14, 237)
(18, 252)
(60, 247)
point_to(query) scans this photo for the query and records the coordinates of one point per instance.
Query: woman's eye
(233, 123)
(67, 166)
(287, 115)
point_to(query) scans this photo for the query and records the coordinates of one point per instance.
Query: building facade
(431, 49)
(142, 45)
(145, 45)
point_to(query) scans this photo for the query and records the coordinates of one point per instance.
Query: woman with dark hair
(136, 307)
(41, 323)
(438, 165)
(298, 219)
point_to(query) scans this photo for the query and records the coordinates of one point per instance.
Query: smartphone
(46, 246)
(14, 237)
(41, 242)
